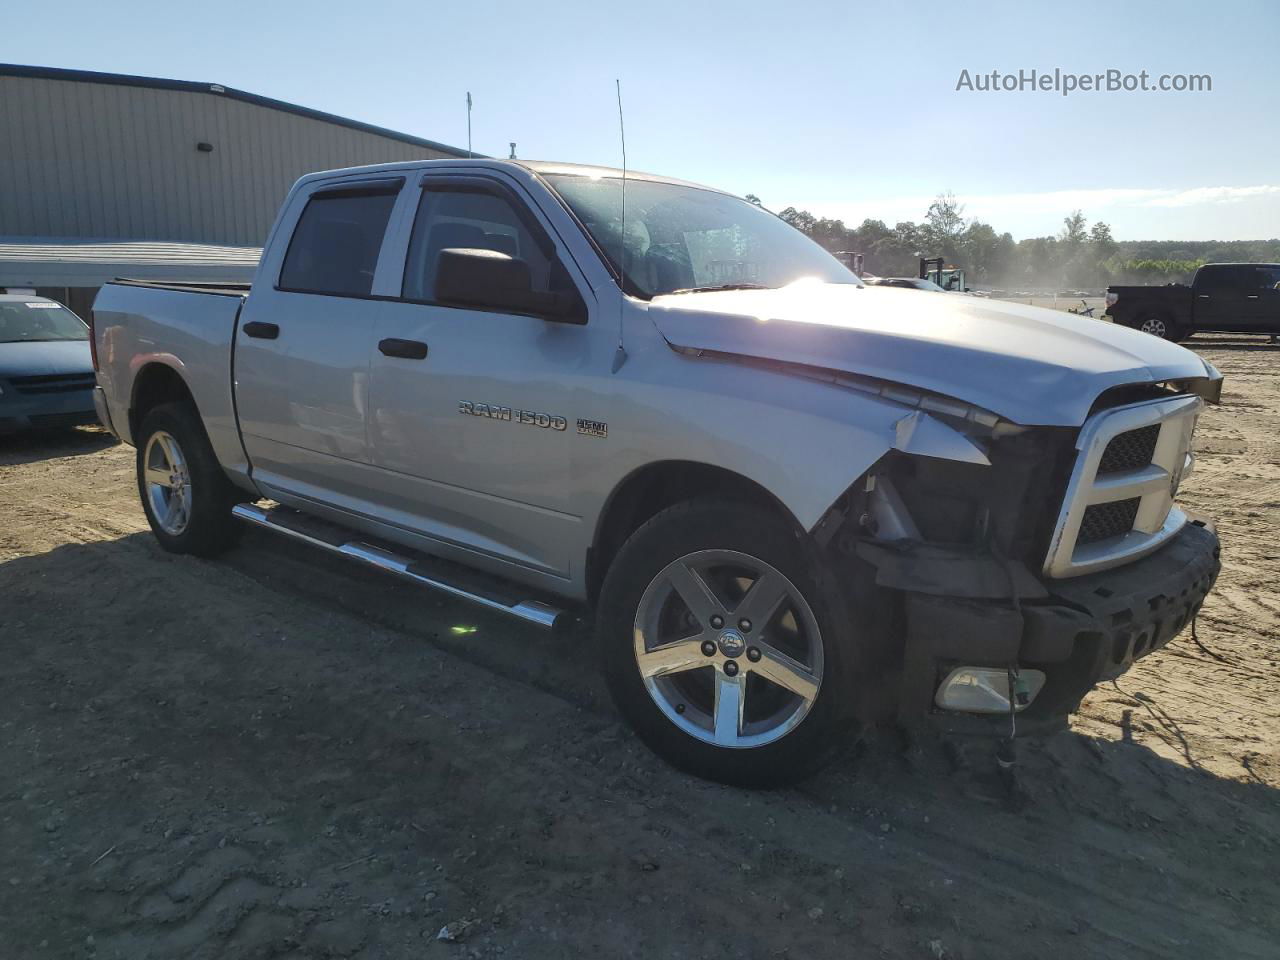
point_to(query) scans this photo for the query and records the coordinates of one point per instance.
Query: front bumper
(1088, 629)
(46, 412)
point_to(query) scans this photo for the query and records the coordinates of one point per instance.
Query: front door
(475, 440)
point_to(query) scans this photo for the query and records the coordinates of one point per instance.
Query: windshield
(927, 285)
(39, 320)
(684, 239)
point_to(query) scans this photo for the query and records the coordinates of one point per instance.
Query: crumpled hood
(1031, 365)
(42, 358)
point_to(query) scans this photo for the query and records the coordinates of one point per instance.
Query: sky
(849, 110)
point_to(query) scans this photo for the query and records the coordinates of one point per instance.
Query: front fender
(802, 439)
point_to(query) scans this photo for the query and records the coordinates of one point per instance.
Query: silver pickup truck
(795, 504)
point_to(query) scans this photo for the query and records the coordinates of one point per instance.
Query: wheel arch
(1153, 308)
(155, 383)
(653, 487)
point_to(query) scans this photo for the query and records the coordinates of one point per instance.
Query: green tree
(1100, 239)
(802, 220)
(1073, 233)
(944, 223)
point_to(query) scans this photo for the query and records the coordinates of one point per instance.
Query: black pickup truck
(1236, 297)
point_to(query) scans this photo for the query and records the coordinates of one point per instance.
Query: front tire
(185, 495)
(726, 646)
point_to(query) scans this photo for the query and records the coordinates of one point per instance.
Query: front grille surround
(1114, 515)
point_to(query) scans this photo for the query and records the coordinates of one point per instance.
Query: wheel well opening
(654, 488)
(155, 384)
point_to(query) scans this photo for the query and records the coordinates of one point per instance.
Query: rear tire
(787, 677)
(185, 495)
(1159, 325)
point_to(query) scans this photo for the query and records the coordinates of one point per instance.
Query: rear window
(335, 246)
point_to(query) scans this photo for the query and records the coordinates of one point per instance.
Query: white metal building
(105, 175)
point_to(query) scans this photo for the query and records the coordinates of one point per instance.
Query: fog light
(985, 689)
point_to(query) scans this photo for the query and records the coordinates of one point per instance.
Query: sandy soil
(278, 755)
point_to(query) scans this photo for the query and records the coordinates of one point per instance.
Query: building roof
(73, 262)
(217, 89)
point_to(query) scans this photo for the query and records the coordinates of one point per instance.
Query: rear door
(474, 438)
(303, 345)
(1219, 296)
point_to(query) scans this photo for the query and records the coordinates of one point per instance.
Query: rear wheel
(724, 646)
(185, 495)
(1160, 326)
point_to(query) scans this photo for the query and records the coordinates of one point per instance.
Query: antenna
(620, 355)
(468, 124)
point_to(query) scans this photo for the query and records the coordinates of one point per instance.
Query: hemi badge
(592, 428)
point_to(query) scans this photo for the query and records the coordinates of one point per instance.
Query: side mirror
(489, 278)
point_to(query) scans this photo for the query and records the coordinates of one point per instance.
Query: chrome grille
(1119, 501)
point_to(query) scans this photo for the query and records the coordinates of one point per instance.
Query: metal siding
(86, 159)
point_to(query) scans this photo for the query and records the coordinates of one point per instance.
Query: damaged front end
(963, 543)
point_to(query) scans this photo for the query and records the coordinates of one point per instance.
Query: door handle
(1204, 296)
(1252, 296)
(405, 349)
(261, 331)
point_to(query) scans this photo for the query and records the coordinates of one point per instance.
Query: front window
(475, 219)
(683, 239)
(39, 320)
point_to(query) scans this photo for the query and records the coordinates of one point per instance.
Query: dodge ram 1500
(794, 504)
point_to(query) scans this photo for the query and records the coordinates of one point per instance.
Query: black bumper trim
(1089, 630)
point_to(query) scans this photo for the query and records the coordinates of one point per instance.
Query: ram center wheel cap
(731, 643)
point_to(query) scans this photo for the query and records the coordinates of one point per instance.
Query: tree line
(1080, 256)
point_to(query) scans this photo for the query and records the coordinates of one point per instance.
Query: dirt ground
(280, 755)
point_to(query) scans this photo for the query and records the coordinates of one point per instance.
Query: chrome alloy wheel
(168, 483)
(728, 648)
(1154, 326)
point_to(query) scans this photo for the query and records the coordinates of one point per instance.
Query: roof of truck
(1240, 263)
(539, 168)
(553, 167)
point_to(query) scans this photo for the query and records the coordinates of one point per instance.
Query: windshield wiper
(724, 286)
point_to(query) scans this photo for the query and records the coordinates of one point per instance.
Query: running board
(331, 537)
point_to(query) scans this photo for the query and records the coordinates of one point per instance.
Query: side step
(429, 572)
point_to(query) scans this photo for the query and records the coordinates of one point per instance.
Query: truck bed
(186, 332)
